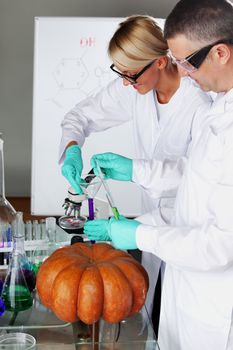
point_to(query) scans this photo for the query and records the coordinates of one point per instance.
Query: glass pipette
(108, 193)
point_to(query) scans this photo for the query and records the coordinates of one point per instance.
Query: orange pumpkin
(88, 282)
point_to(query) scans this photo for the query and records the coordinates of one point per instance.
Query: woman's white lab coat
(162, 133)
(197, 296)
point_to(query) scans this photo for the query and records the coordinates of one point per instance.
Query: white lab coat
(162, 133)
(197, 296)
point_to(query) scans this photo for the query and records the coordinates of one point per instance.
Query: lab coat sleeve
(205, 248)
(157, 177)
(111, 106)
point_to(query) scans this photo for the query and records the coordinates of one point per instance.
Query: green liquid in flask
(17, 298)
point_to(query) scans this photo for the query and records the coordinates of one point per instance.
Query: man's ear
(161, 62)
(222, 53)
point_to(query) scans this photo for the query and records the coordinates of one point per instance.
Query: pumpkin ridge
(116, 253)
(65, 298)
(137, 265)
(118, 294)
(100, 250)
(90, 295)
(136, 280)
(46, 290)
(83, 249)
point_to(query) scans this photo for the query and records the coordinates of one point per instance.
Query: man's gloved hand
(97, 230)
(123, 233)
(113, 166)
(73, 166)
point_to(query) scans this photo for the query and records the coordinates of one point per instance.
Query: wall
(16, 69)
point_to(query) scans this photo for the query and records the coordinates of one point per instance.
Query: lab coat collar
(221, 101)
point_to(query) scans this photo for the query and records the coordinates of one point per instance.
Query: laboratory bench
(51, 333)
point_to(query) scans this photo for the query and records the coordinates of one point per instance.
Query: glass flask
(7, 212)
(20, 279)
(46, 248)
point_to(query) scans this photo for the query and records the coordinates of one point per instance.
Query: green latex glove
(123, 233)
(97, 230)
(113, 166)
(73, 166)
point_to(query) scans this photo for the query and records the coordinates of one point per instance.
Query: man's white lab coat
(197, 296)
(160, 131)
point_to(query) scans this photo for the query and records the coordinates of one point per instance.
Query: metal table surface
(51, 333)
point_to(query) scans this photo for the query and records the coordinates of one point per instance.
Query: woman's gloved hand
(97, 230)
(113, 166)
(123, 233)
(73, 166)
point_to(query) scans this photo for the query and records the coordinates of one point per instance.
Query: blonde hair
(137, 42)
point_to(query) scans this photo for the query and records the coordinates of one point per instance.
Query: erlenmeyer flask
(7, 212)
(20, 279)
(44, 250)
(15, 292)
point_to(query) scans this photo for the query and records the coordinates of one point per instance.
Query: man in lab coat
(197, 297)
(150, 93)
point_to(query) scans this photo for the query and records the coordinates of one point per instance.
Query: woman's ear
(161, 62)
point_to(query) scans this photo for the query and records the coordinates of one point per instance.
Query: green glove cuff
(123, 233)
(74, 149)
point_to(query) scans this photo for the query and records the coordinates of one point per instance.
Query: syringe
(108, 193)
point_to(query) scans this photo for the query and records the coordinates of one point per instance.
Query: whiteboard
(70, 63)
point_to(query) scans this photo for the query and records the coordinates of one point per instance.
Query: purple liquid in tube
(91, 211)
(91, 208)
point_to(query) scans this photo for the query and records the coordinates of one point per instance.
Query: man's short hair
(201, 20)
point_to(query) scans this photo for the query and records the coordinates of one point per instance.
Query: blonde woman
(149, 91)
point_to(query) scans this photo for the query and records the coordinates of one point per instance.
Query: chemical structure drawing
(76, 79)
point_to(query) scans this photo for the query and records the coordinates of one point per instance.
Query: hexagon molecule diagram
(71, 73)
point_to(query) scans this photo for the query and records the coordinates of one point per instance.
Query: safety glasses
(192, 62)
(131, 78)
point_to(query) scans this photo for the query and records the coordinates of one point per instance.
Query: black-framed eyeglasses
(131, 78)
(192, 62)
